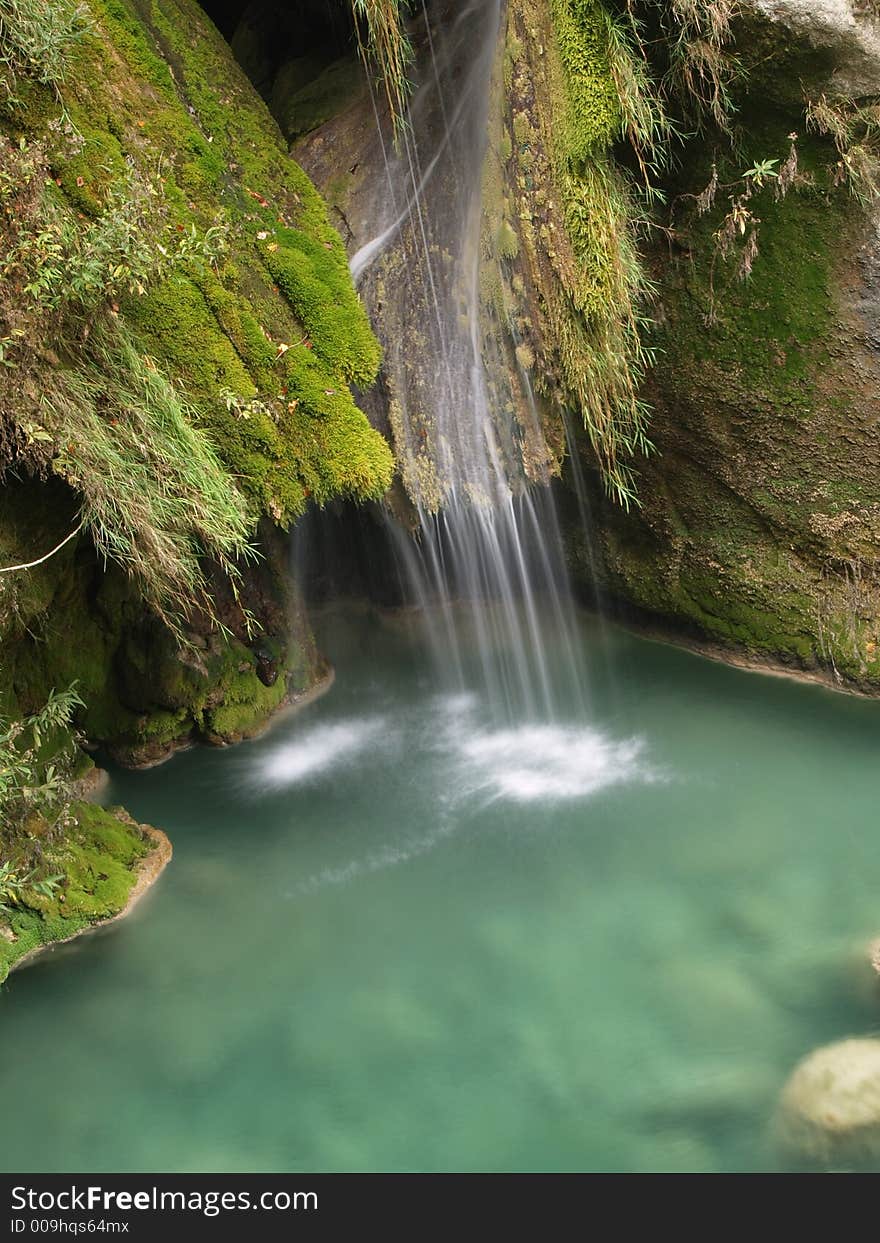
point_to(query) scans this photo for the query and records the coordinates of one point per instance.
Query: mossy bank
(108, 862)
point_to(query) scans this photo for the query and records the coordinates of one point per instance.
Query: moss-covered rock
(95, 864)
(263, 345)
(146, 691)
(759, 512)
(157, 86)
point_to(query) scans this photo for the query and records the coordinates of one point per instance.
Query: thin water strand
(488, 552)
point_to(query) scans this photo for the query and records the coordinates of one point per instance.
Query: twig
(29, 565)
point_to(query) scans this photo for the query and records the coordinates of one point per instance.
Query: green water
(398, 936)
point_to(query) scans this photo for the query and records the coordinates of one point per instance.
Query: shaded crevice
(302, 59)
(345, 551)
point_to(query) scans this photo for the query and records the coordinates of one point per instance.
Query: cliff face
(179, 338)
(759, 513)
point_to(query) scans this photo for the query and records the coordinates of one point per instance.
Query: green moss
(228, 111)
(214, 694)
(32, 931)
(129, 39)
(777, 632)
(254, 450)
(86, 176)
(592, 117)
(29, 110)
(280, 455)
(523, 130)
(98, 858)
(237, 319)
(344, 455)
(320, 292)
(175, 95)
(176, 322)
(246, 705)
(507, 241)
(768, 335)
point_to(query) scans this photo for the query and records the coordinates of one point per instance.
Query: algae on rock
(759, 515)
(229, 293)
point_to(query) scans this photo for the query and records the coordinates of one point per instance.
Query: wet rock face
(267, 666)
(850, 33)
(759, 518)
(829, 1111)
(759, 525)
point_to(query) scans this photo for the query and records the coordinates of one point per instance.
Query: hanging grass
(37, 38)
(599, 325)
(702, 66)
(155, 497)
(597, 307)
(383, 41)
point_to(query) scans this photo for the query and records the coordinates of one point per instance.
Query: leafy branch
(26, 782)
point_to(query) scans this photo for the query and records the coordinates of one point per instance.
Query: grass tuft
(155, 497)
(382, 39)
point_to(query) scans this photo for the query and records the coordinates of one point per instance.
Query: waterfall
(486, 559)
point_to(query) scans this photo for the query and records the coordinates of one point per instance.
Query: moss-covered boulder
(102, 861)
(246, 313)
(263, 341)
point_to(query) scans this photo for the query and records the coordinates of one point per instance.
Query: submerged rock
(874, 951)
(830, 1107)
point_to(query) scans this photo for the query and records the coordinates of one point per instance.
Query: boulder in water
(830, 1107)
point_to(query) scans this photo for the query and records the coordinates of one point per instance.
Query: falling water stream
(580, 904)
(488, 546)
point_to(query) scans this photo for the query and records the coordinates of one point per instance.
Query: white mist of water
(550, 762)
(488, 551)
(317, 752)
(470, 762)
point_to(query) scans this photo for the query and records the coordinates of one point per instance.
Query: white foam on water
(378, 861)
(550, 762)
(471, 762)
(319, 750)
